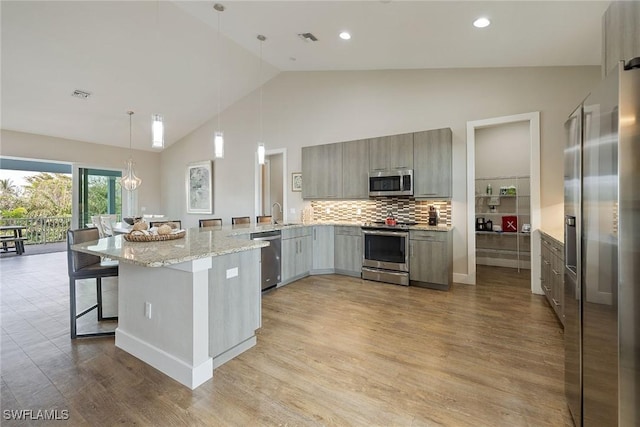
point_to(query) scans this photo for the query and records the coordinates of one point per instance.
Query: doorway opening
(36, 195)
(514, 198)
(271, 186)
(99, 193)
(502, 196)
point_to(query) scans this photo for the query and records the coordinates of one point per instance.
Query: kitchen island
(186, 306)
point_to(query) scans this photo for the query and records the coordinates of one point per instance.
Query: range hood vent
(81, 94)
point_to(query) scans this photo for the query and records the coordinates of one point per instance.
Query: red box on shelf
(510, 223)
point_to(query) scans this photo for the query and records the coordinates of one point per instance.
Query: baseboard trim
(188, 375)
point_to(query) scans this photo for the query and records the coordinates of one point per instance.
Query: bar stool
(86, 266)
(264, 219)
(211, 222)
(241, 220)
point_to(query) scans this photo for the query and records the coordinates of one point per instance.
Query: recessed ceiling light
(345, 35)
(481, 23)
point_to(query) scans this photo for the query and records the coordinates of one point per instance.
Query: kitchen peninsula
(185, 306)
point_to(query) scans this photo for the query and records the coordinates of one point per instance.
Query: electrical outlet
(359, 211)
(147, 310)
(143, 209)
(328, 210)
(292, 211)
(232, 272)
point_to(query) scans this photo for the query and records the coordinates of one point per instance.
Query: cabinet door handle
(556, 303)
(546, 262)
(314, 234)
(555, 272)
(411, 250)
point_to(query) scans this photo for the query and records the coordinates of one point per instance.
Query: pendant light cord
(130, 113)
(262, 39)
(219, 69)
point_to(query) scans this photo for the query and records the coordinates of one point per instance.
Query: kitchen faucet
(272, 206)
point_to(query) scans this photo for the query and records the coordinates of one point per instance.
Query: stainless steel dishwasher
(270, 257)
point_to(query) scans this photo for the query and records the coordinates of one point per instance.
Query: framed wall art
(199, 181)
(296, 181)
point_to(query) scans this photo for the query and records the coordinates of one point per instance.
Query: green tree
(9, 196)
(7, 186)
(48, 195)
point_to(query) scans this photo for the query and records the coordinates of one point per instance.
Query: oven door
(386, 249)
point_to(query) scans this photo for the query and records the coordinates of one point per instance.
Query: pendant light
(130, 181)
(157, 121)
(261, 149)
(157, 130)
(218, 137)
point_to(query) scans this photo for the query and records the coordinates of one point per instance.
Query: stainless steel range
(386, 253)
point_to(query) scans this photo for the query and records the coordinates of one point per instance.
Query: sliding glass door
(99, 194)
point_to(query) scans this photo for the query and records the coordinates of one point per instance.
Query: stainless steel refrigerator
(602, 253)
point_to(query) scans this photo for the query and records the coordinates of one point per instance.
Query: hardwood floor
(332, 350)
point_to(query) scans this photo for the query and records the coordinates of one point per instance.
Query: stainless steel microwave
(396, 182)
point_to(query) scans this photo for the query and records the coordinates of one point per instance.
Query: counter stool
(212, 222)
(264, 219)
(241, 220)
(86, 266)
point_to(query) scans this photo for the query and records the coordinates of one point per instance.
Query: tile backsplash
(405, 209)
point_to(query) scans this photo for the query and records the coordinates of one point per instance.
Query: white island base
(187, 319)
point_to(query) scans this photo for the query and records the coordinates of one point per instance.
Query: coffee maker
(433, 215)
(480, 224)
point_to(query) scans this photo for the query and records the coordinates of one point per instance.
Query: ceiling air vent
(308, 37)
(81, 94)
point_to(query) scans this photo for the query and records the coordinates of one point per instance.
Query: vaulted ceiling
(167, 57)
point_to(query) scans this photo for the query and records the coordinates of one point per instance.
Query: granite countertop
(555, 233)
(198, 243)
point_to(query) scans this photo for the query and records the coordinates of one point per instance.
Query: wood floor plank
(332, 350)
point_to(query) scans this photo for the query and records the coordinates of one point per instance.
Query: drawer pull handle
(556, 303)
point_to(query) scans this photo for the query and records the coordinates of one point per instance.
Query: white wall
(147, 164)
(310, 108)
(502, 150)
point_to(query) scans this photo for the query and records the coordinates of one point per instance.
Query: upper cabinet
(391, 152)
(620, 34)
(355, 169)
(432, 159)
(341, 170)
(322, 171)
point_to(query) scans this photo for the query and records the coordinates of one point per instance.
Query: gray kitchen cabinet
(322, 171)
(348, 250)
(620, 34)
(323, 248)
(391, 152)
(552, 273)
(235, 304)
(355, 169)
(432, 163)
(289, 255)
(297, 251)
(431, 259)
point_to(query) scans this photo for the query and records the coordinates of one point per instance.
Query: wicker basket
(154, 237)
